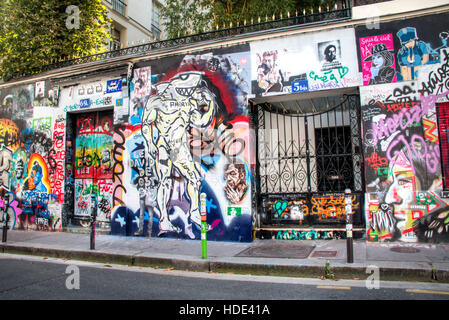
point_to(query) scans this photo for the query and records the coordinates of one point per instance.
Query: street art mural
(403, 175)
(309, 62)
(190, 137)
(176, 106)
(28, 156)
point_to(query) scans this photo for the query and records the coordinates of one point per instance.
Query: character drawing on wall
(146, 182)
(34, 179)
(408, 178)
(138, 101)
(413, 54)
(182, 101)
(269, 76)
(236, 186)
(382, 60)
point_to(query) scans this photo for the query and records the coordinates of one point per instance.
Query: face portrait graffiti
(268, 73)
(330, 53)
(34, 181)
(236, 186)
(20, 169)
(410, 198)
(381, 59)
(400, 194)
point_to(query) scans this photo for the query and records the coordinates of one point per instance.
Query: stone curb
(299, 271)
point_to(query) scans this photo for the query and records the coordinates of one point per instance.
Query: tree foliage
(182, 17)
(186, 16)
(33, 33)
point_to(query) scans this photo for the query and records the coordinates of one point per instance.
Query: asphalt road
(24, 278)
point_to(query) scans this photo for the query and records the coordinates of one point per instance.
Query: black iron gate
(305, 162)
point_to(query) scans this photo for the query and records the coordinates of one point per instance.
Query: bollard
(348, 211)
(93, 219)
(203, 226)
(5, 218)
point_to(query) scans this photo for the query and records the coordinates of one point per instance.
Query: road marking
(426, 291)
(334, 287)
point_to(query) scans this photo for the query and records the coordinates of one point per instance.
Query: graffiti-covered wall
(404, 66)
(150, 140)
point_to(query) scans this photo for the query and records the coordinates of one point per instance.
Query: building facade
(133, 22)
(273, 126)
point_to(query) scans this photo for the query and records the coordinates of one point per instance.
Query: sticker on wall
(300, 86)
(113, 86)
(234, 211)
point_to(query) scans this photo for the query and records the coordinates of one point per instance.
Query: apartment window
(115, 39)
(119, 6)
(155, 22)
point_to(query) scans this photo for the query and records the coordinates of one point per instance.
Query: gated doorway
(308, 152)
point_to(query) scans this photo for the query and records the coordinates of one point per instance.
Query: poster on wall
(310, 62)
(46, 94)
(378, 60)
(140, 91)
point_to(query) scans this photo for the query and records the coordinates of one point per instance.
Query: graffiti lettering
(431, 154)
(330, 75)
(118, 168)
(308, 235)
(385, 128)
(438, 80)
(212, 142)
(376, 162)
(331, 207)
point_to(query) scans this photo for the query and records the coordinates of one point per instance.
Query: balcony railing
(342, 12)
(119, 6)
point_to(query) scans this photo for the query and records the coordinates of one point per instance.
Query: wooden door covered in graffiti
(93, 163)
(307, 158)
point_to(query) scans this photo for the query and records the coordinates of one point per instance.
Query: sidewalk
(398, 261)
